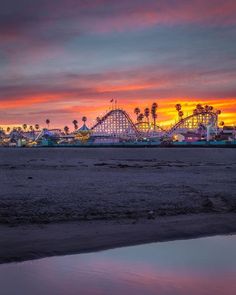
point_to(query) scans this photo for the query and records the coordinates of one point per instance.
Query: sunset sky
(62, 59)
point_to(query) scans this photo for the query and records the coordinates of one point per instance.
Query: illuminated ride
(117, 124)
(83, 134)
(147, 128)
(146, 122)
(47, 137)
(202, 118)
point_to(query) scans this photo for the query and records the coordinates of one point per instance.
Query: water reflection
(200, 266)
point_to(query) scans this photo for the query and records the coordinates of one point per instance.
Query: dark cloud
(142, 82)
(21, 17)
(62, 51)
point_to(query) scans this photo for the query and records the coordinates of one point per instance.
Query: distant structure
(202, 118)
(116, 126)
(116, 123)
(83, 133)
(146, 122)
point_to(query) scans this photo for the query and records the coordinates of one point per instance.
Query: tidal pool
(192, 267)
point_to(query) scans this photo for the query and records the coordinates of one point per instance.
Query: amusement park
(117, 128)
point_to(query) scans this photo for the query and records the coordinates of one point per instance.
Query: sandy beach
(60, 201)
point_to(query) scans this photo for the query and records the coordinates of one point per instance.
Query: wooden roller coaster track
(116, 123)
(195, 120)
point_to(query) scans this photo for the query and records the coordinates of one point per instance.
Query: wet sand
(58, 201)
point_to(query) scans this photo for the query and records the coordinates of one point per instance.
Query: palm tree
(195, 112)
(31, 128)
(154, 113)
(8, 129)
(84, 119)
(155, 105)
(178, 107)
(140, 117)
(200, 108)
(137, 112)
(66, 129)
(36, 126)
(47, 122)
(24, 126)
(146, 114)
(181, 114)
(75, 122)
(206, 108)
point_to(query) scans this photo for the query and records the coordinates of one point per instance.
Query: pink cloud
(152, 13)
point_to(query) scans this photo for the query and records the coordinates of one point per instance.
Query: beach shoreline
(64, 201)
(27, 242)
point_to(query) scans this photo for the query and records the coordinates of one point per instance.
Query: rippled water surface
(199, 266)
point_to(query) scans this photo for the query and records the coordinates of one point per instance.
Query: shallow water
(192, 267)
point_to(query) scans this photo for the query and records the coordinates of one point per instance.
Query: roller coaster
(117, 123)
(117, 126)
(195, 121)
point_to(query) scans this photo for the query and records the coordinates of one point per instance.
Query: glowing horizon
(167, 116)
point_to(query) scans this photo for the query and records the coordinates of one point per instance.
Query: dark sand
(59, 201)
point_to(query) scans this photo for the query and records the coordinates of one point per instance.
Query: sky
(63, 59)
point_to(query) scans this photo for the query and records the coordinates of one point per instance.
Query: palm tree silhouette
(200, 108)
(36, 126)
(84, 119)
(24, 127)
(206, 108)
(140, 117)
(75, 122)
(137, 112)
(154, 113)
(178, 108)
(181, 114)
(146, 114)
(66, 129)
(47, 122)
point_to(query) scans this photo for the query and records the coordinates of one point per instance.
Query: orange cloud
(62, 112)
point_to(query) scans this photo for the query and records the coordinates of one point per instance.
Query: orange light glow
(64, 108)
